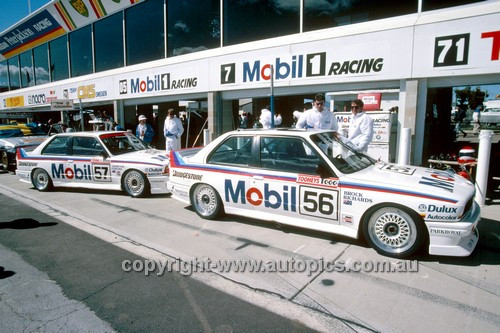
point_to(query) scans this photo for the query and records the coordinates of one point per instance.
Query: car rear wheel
(394, 232)
(5, 160)
(135, 184)
(41, 180)
(206, 201)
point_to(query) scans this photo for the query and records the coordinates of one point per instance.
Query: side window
(86, 146)
(235, 150)
(58, 146)
(288, 155)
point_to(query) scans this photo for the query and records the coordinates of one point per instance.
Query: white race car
(311, 179)
(95, 160)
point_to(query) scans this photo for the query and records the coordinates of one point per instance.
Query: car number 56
(319, 202)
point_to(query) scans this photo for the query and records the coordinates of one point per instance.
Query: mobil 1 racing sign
(314, 62)
(161, 81)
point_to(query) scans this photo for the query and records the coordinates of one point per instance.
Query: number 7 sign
(451, 50)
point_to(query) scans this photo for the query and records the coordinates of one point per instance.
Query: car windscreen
(122, 143)
(345, 158)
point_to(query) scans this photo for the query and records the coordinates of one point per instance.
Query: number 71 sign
(451, 50)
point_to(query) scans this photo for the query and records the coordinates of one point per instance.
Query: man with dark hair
(318, 117)
(361, 127)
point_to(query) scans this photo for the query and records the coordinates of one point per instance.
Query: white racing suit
(173, 130)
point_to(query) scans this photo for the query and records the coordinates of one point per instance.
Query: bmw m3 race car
(95, 160)
(315, 180)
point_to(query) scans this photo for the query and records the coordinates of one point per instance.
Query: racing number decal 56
(101, 173)
(316, 202)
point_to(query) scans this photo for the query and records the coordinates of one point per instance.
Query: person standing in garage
(144, 131)
(361, 128)
(172, 130)
(318, 117)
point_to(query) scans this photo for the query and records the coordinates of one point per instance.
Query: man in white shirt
(361, 128)
(172, 130)
(318, 117)
(265, 118)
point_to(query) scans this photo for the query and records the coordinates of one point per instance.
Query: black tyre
(5, 160)
(41, 180)
(394, 231)
(135, 184)
(206, 201)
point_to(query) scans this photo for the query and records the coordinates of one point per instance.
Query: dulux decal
(59, 172)
(270, 198)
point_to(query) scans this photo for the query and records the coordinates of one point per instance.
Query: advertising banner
(37, 30)
(458, 47)
(381, 125)
(371, 101)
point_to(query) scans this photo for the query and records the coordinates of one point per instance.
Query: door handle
(258, 178)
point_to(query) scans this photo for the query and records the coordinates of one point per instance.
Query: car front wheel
(135, 184)
(394, 232)
(41, 180)
(206, 201)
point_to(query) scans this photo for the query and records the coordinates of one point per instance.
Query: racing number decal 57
(101, 173)
(316, 202)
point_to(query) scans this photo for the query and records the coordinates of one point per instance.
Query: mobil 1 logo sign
(451, 50)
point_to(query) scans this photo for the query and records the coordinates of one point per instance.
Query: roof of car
(89, 133)
(280, 131)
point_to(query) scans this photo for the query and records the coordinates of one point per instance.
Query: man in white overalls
(172, 130)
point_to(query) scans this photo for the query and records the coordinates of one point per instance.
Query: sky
(11, 11)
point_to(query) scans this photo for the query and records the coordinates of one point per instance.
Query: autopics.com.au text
(308, 266)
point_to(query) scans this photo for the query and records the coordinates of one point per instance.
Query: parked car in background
(113, 160)
(13, 136)
(490, 115)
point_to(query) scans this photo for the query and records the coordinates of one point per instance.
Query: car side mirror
(103, 154)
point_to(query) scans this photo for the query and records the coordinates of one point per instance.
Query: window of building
(59, 59)
(246, 21)
(108, 43)
(4, 76)
(26, 65)
(80, 51)
(14, 79)
(332, 13)
(440, 4)
(41, 63)
(144, 32)
(192, 26)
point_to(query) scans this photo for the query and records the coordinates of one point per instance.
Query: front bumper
(455, 238)
(158, 184)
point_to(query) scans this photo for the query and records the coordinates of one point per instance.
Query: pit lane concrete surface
(434, 294)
